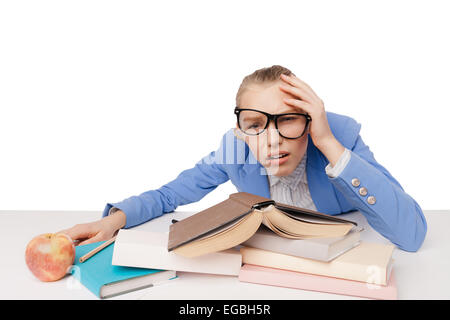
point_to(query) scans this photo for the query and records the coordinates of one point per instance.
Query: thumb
(78, 232)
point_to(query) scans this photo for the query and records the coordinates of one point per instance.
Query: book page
(297, 227)
(302, 216)
(309, 219)
(284, 233)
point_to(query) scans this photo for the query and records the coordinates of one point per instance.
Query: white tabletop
(420, 275)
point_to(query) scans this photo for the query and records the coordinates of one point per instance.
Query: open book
(233, 221)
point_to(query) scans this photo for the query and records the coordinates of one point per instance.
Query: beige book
(367, 262)
(144, 249)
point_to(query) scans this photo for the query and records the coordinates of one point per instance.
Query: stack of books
(363, 271)
(280, 245)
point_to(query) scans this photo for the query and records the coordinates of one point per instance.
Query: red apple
(50, 256)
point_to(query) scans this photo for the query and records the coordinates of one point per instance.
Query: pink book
(298, 280)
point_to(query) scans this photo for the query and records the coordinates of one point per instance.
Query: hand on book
(96, 231)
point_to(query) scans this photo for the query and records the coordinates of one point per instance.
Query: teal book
(105, 280)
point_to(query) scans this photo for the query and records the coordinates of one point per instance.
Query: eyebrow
(289, 111)
(253, 118)
(296, 110)
(247, 118)
(292, 110)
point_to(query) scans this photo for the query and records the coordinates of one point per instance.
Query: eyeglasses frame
(274, 118)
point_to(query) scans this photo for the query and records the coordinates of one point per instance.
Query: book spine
(90, 283)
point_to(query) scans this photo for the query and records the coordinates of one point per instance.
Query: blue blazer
(395, 214)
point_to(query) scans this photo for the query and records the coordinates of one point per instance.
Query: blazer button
(355, 182)
(371, 200)
(363, 191)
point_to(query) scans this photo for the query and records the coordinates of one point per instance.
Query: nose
(273, 137)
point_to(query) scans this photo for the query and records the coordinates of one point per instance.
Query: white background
(101, 100)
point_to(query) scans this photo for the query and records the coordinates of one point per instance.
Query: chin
(281, 171)
(284, 173)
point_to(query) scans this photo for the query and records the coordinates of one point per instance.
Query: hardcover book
(304, 281)
(236, 219)
(367, 262)
(105, 280)
(145, 249)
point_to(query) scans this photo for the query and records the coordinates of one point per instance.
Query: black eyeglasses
(289, 125)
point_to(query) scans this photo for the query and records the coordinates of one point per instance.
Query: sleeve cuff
(335, 171)
(112, 210)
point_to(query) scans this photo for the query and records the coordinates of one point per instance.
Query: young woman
(286, 147)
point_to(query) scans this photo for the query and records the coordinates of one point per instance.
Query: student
(288, 148)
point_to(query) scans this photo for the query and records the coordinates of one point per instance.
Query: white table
(420, 275)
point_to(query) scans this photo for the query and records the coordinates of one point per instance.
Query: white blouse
(293, 189)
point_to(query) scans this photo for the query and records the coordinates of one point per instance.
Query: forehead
(267, 98)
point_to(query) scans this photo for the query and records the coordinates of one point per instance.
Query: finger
(78, 232)
(296, 92)
(67, 232)
(97, 238)
(77, 242)
(302, 105)
(297, 83)
(293, 80)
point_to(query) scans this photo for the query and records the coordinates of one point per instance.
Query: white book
(144, 249)
(322, 249)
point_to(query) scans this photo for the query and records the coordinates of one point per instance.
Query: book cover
(105, 280)
(298, 280)
(367, 262)
(147, 249)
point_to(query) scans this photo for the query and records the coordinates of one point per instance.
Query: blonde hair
(260, 76)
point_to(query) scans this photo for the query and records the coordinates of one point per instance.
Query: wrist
(325, 143)
(332, 149)
(118, 219)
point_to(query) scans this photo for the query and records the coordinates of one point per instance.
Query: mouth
(278, 156)
(278, 159)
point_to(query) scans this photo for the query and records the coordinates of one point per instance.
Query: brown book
(236, 219)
